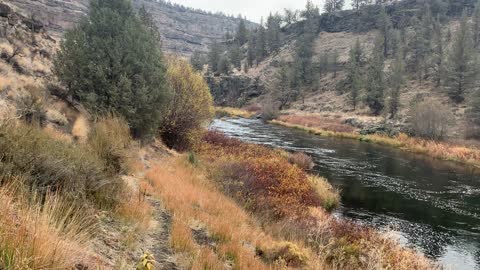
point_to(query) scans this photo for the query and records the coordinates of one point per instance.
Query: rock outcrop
(183, 30)
(234, 90)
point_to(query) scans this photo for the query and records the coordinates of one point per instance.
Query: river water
(430, 205)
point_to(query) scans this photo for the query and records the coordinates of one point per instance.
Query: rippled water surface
(434, 206)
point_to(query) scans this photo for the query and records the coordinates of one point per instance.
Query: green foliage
(214, 56)
(252, 50)
(384, 25)
(197, 60)
(462, 69)
(375, 78)
(110, 140)
(261, 43)
(147, 262)
(356, 63)
(473, 116)
(236, 57)
(224, 65)
(332, 6)
(241, 36)
(191, 107)
(396, 81)
(273, 38)
(48, 165)
(112, 62)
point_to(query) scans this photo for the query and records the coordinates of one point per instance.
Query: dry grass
(233, 112)
(302, 160)
(181, 239)
(192, 198)
(41, 236)
(316, 121)
(80, 129)
(435, 149)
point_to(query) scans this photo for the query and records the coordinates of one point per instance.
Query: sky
(252, 9)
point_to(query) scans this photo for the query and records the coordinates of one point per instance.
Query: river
(428, 204)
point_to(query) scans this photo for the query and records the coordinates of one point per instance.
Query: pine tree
(385, 27)
(112, 62)
(242, 33)
(290, 17)
(355, 65)
(396, 81)
(476, 26)
(332, 6)
(284, 94)
(214, 56)
(473, 116)
(438, 54)
(261, 43)
(334, 62)
(461, 69)
(236, 56)
(375, 81)
(419, 48)
(197, 61)
(324, 63)
(224, 65)
(273, 32)
(252, 50)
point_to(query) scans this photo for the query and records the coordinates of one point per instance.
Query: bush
(302, 160)
(49, 165)
(269, 111)
(430, 120)
(191, 107)
(112, 62)
(262, 178)
(110, 139)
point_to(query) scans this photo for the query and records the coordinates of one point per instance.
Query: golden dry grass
(47, 236)
(233, 112)
(192, 198)
(80, 129)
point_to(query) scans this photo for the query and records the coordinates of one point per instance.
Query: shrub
(47, 164)
(191, 107)
(261, 178)
(270, 111)
(288, 252)
(430, 120)
(112, 62)
(302, 160)
(110, 139)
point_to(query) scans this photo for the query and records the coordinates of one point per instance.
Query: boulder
(5, 10)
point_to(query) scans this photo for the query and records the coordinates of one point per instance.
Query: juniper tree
(241, 36)
(356, 63)
(473, 115)
(284, 94)
(214, 56)
(252, 49)
(396, 81)
(332, 6)
(111, 62)
(375, 78)
(437, 60)
(385, 27)
(236, 57)
(273, 32)
(197, 60)
(461, 68)
(419, 48)
(476, 25)
(334, 62)
(223, 65)
(261, 43)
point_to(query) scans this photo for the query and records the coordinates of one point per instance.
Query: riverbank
(435, 149)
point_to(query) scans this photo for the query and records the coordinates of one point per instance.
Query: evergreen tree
(284, 94)
(332, 6)
(324, 63)
(419, 48)
(197, 60)
(385, 27)
(473, 116)
(461, 69)
(355, 65)
(252, 49)
(476, 26)
(261, 43)
(290, 17)
(236, 57)
(396, 81)
(112, 62)
(273, 32)
(214, 56)
(438, 54)
(224, 65)
(375, 78)
(242, 32)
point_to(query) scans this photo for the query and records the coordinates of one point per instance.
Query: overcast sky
(252, 9)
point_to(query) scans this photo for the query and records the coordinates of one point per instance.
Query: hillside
(183, 30)
(327, 94)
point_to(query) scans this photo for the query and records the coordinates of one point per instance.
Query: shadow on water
(433, 206)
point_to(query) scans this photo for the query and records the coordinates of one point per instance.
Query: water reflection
(433, 205)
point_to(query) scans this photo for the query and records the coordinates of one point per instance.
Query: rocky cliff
(183, 30)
